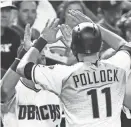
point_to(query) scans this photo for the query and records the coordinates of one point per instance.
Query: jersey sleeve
(121, 59)
(51, 77)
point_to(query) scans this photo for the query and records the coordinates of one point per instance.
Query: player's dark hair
(18, 3)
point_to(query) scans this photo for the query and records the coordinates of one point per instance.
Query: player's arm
(112, 39)
(109, 37)
(107, 54)
(11, 78)
(115, 41)
(29, 60)
(51, 78)
(122, 47)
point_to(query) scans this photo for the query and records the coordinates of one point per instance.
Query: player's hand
(67, 35)
(50, 31)
(78, 17)
(27, 38)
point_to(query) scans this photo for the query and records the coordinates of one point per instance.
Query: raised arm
(113, 40)
(116, 42)
(48, 36)
(11, 78)
(109, 37)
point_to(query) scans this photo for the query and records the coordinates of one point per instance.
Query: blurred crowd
(113, 15)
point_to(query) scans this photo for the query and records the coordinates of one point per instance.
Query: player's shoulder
(74, 66)
(52, 67)
(107, 63)
(65, 70)
(60, 66)
(118, 60)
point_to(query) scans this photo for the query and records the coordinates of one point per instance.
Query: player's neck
(92, 58)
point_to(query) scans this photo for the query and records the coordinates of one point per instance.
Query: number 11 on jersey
(95, 106)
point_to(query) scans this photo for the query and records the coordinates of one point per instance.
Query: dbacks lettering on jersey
(102, 76)
(31, 112)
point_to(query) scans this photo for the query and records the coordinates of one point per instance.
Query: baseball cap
(105, 5)
(7, 3)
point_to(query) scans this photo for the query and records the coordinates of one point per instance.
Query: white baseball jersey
(32, 108)
(92, 95)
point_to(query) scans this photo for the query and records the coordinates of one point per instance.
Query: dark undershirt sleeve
(28, 70)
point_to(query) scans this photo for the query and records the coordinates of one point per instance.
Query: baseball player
(91, 91)
(79, 17)
(22, 104)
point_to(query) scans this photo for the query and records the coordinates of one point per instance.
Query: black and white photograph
(65, 63)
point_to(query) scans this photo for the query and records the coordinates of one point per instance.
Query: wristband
(15, 64)
(17, 60)
(40, 44)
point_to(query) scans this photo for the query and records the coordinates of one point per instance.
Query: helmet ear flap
(76, 38)
(73, 48)
(78, 32)
(95, 29)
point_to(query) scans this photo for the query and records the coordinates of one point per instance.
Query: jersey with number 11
(93, 96)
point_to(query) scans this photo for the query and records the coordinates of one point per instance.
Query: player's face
(5, 16)
(42, 59)
(68, 20)
(27, 12)
(113, 15)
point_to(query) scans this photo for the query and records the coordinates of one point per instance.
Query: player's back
(93, 96)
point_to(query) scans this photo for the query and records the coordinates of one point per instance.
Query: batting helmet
(86, 39)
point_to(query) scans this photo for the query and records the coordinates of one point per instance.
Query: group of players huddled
(90, 85)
